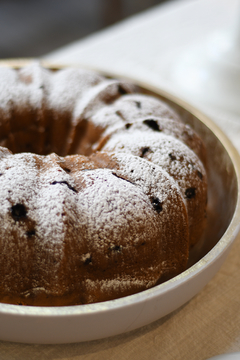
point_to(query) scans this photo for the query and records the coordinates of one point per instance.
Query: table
(146, 47)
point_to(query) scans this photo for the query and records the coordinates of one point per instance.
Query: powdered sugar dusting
(133, 106)
(69, 85)
(129, 109)
(23, 183)
(34, 78)
(99, 226)
(104, 93)
(112, 218)
(161, 149)
(177, 160)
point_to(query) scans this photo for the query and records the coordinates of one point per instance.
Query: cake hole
(144, 151)
(190, 193)
(18, 212)
(152, 124)
(157, 204)
(172, 157)
(65, 183)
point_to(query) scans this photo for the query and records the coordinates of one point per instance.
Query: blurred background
(31, 28)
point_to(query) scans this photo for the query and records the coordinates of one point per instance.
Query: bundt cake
(103, 190)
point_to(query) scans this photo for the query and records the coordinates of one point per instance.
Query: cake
(103, 190)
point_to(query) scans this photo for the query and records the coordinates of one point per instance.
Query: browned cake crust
(113, 221)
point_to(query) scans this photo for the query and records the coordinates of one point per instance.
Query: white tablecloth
(149, 46)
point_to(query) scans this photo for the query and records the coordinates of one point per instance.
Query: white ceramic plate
(89, 322)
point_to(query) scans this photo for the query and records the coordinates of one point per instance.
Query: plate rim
(223, 244)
